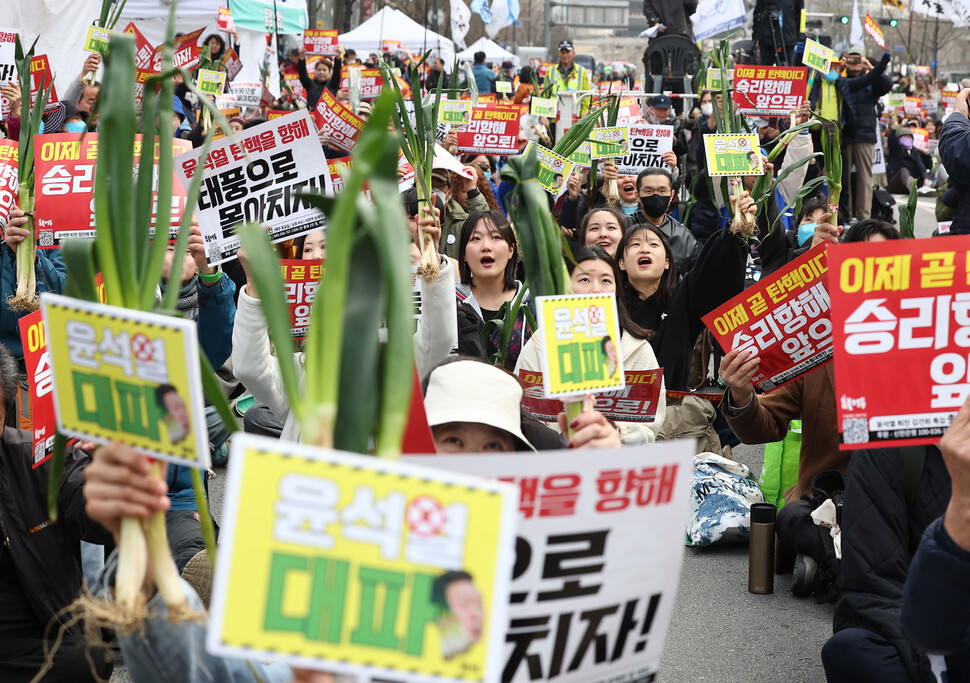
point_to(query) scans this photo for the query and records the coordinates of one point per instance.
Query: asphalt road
(719, 632)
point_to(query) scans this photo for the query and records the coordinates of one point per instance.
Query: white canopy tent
(494, 53)
(392, 24)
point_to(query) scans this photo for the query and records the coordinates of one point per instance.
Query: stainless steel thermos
(761, 551)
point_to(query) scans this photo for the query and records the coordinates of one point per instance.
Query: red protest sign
(186, 52)
(337, 168)
(9, 182)
(276, 113)
(321, 42)
(635, 403)
(629, 111)
(872, 28)
(144, 51)
(338, 122)
(64, 167)
(41, 77)
(301, 279)
(783, 319)
(769, 90)
(493, 130)
(371, 81)
(225, 22)
(40, 378)
(231, 63)
(900, 319)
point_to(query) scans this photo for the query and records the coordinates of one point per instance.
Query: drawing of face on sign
(461, 614)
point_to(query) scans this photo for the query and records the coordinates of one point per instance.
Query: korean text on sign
(901, 329)
(554, 170)
(338, 122)
(371, 81)
(64, 166)
(647, 146)
(734, 155)
(321, 42)
(8, 65)
(581, 609)
(636, 403)
(9, 184)
(818, 57)
(769, 90)
(494, 130)
(257, 181)
(784, 319)
(580, 344)
(128, 376)
(609, 143)
(40, 379)
(301, 279)
(352, 564)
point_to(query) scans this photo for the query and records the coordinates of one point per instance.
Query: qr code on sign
(45, 239)
(855, 429)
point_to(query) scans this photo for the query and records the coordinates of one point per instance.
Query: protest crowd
(596, 264)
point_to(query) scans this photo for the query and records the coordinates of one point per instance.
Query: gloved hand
(885, 58)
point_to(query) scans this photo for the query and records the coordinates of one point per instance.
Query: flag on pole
(480, 7)
(855, 34)
(872, 28)
(504, 13)
(461, 18)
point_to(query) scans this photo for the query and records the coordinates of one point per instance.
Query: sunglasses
(484, 167)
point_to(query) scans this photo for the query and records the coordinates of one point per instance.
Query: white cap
(472, 391)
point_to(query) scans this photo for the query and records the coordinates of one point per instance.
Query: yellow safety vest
(576, 79)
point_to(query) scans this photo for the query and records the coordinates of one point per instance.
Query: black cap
(662, 101)
(763, 513)
(566, 45)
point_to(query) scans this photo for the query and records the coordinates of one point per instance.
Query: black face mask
(655, 205)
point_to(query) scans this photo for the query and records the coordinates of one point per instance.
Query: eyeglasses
(649, 192)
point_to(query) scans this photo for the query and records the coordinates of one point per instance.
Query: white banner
(714, 17)
(647, 145)
(598, 557)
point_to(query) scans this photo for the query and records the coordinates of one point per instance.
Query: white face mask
(707, 109)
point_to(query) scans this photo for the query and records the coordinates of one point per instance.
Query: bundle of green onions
(25, 296)
(131, 266)
(418, 143)
(373, 383)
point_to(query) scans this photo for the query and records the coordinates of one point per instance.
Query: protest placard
(818, 57)
(543, 106)
(636, 403)
(609, 143)
(729, 154)
(246, 93)
(582, 156)
(872, 28)
(783, 319)
(405, 178)
(257, 181)
(494, 130)
(337, 168)
(943, 227)
(9, 182)
(211, 82)
(301, 279)
(948, 98)
(231, 63)
(715, 17)
(8, 66)
(580, 336)
(354, 564)
(554, 170)
(503, 87)
(276, 113)
(629, 112)
(648, 143)
(37, 363)
(582, 610)
(371, 81)
(41, 78)
(913, 106)
(128, 376)
(900, 316)
(897, 100)
(64, 192)
(715, 82)
(769, 90)
(338, 122)
(921, 140)
(224, 22)
(144, 50)
(97, 40)
(186, 55)
(455, 112)
(322, 41)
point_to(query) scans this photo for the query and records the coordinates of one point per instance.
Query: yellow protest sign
(211, 82)
(582, 156)
(730, 154)
(543, 106)
(554, 170)
(580, 344)
(714, 80)
(123, 375)
(353, 564)
(609, 143)
(455, 111)
(818, 57)
(97, 40)
(503, 87)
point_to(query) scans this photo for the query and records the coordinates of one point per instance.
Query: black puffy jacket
(859, 96)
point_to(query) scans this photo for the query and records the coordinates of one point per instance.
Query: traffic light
(844, 20)
(893, 22)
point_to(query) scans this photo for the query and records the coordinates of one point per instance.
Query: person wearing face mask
(75, 120)
(904, 164)
(655, 193)
(595, 272)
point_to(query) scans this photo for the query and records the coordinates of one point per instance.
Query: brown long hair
(458, 186)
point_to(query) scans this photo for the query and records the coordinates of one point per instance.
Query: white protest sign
(714, 17)
(257, 182)
(598, 558)
(8, 66)
(878, 158)
(248, 93)
(647, 145)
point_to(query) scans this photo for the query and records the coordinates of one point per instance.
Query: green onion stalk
(418, 144)
(131, 265)
(25, 297)
(832, 151)
(350, 379)
(907, 216)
